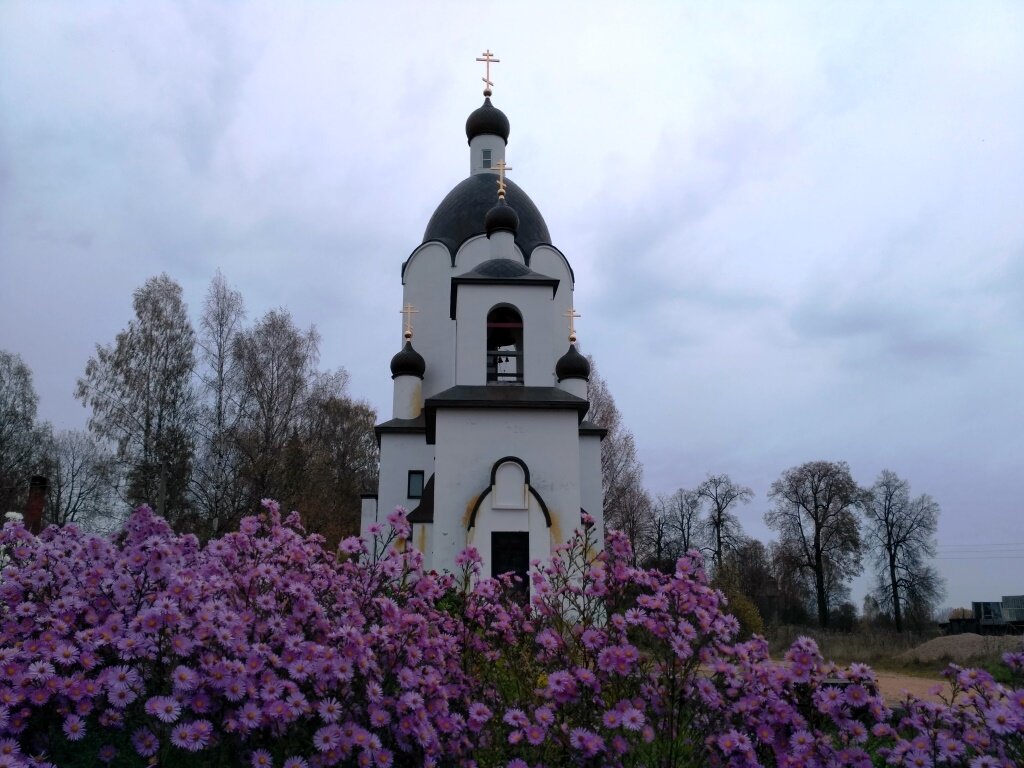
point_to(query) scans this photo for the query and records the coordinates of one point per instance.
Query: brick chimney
(36, 501)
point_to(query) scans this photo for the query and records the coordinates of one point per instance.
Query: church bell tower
(488, 445)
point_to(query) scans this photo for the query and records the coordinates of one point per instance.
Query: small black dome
(408, 362)
(501, 218)
(487, 119)
(501, 268)
(572, 365)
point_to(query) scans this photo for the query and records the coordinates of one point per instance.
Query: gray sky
(796, 229)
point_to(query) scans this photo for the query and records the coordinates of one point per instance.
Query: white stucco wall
(407, 401)
(576, 387)
(479, 143)
(489, 520)
(534, 305)
(591, 495)
(400, 453)
(427, 286)
(367, 515)
(423, 540)
(470, 441)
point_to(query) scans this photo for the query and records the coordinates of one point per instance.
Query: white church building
(488, 445)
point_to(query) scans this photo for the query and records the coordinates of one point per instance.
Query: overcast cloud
(797, 229)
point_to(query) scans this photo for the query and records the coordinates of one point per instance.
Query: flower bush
(263, 648)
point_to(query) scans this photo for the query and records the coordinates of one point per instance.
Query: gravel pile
(961, 648)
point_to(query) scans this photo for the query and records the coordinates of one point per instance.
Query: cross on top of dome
(487, 58)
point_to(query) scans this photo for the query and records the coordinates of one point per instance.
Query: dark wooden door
(510, 552)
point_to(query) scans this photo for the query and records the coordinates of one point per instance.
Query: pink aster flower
(633, 719)
(516, 718)
(544, 716)
(329, 710)
(587, 742)
(145, 743)
(74, 728)
(327, 738)
(165, 708)
(535, 734)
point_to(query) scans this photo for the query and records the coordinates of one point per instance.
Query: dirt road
(892, 685)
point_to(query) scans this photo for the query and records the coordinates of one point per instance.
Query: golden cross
(407, 313)
(500, 165)
(487, 58)
(572, 314)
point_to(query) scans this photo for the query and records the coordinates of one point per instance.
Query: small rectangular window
(486, 158)
(415, 490)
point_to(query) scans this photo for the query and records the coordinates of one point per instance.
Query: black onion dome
(501, 218)
(408, 362)
(501, 268)
(462, 213)
(487, 119)
(572, 365)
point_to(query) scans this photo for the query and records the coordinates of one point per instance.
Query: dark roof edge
(556, 249)
(415, 426)
(566, 403)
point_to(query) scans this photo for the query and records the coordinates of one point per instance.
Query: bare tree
(795, 586)
(217, 489)
(664, 550)
(141, 395)
(686, 529)
(338, 456)
(277, 363)
(748, 567)
(635, 518)
(724, 530)
(901, 536)
(621, 471)
(19, 434)
(82, 478)
(814, 514)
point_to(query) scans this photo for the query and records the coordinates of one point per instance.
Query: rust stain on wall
(556, 528)
(421, 539)
(469, 511)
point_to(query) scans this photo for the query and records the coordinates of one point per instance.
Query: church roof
(499, 272)
(485, 119)
(501, 218)
(424, 512)
(490, 396)
(572, 365)
(462, 213)
(502, 268)
(408, 362)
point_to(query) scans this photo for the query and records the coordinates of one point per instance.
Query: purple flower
(74, 728)
(165, 708)
(612, 718)
(587, 742)
(327, 738)
(145, 742)
(535, 734)
(633, 719)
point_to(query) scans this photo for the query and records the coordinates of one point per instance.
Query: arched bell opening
(504, 345)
